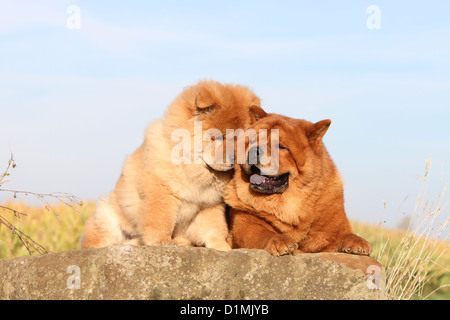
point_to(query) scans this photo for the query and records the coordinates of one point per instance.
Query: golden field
(408, 259)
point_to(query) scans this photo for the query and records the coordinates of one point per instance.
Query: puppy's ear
(318, 131)
(256, 113)
(204, 102)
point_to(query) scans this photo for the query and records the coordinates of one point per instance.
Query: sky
(81, 80)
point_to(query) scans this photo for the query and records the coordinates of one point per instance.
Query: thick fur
(159, 202)
(309, 215)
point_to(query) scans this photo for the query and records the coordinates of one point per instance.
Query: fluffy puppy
(293, 200)
(167, 192)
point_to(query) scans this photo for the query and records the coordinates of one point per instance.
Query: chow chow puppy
(299, 206)
(167, 192)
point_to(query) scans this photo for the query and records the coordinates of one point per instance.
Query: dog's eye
(282, 147)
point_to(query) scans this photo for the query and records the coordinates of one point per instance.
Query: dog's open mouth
(265, 184)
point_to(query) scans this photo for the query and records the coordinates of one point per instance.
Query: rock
(127, 272)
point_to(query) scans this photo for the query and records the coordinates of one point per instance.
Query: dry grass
(16, 212)
(412, 261)
(415, 268)
(417, 259)
(56, 228)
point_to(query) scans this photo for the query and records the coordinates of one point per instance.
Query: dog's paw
(281, 244)
(351, 243)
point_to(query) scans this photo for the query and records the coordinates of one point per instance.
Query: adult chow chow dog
(299, 206)
(167, 193)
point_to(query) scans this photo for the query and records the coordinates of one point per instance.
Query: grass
(390, 249)
(56, 227)
(417, 259)
(12, 213)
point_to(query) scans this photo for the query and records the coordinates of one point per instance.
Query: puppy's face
(268, 164)
(283, 177)
(281, 152)
(218, 112)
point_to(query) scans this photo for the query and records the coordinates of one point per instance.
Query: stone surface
(127, 272)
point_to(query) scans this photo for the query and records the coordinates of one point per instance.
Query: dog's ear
(318, 131)
(256, 113)
(204, 102)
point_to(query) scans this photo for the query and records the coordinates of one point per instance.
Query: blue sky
(74, 103)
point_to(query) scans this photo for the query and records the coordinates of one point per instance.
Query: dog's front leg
(209, 228)
(158, 216)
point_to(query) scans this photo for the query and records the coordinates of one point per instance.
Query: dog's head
(283, 149)
(211, 111)
(283, 160)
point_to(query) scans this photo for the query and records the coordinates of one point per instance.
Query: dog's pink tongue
(257, 179)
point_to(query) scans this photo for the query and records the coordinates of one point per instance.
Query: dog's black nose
(253, 155)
